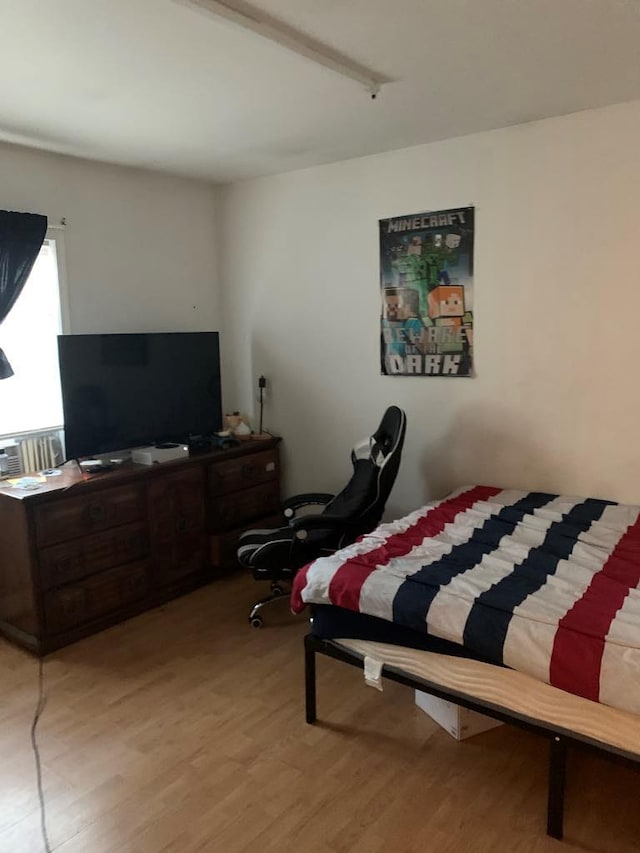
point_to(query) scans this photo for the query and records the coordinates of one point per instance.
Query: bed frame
(559, 736)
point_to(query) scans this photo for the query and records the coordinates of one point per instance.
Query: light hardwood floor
(183, 730)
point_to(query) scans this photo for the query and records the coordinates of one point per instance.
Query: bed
(524, 606)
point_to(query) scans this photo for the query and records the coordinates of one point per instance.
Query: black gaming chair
(336, 520)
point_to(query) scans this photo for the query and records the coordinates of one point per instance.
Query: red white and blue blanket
(541, 583)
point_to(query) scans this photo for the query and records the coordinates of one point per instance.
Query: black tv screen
(129, 390)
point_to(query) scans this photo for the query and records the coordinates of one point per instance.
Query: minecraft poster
(426, 281)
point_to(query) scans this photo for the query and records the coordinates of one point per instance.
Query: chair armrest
(293, 504)
(324, 522)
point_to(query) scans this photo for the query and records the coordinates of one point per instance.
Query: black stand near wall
(261, 386)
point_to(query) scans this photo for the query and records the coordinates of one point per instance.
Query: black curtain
(21, 237)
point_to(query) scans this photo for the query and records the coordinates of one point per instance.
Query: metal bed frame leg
(310, 679)
(557, 774)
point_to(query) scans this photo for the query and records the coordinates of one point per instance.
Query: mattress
(544, 584)
(331, 623)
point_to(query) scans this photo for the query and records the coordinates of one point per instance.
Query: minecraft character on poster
(403, 331)
(447, 313)
(419, 262)
(446, 303)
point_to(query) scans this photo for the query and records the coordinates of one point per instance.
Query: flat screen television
(130, 390)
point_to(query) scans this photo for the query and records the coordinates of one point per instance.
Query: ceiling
(154, 83)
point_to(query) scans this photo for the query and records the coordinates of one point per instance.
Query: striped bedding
(545, 584)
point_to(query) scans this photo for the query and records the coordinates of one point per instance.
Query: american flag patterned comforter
(545, 584)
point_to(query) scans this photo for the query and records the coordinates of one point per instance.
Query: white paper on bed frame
(460, 723)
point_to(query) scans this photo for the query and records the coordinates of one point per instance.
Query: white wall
(555, 403)
(141, 247)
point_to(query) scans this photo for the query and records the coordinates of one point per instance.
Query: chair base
(278, 592)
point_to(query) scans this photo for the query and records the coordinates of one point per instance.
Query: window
(30, 400)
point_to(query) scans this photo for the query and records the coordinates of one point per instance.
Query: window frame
(56, 234)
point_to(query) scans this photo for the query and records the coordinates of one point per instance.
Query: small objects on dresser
(238, 425)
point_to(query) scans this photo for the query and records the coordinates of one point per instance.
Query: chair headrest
(384, 440)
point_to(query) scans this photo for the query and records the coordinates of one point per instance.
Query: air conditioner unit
(14, 466)
(33, 452)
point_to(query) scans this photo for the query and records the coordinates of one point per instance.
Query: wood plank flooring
(182, 731)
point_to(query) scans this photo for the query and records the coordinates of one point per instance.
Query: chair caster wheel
(277, 590)
(256, 621)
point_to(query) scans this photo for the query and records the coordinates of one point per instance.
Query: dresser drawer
(79, 557)
(180, 555)
(81, 602)
(177, 494)
(243, 472)
(235, 509)
(177, 525)
(71, 517)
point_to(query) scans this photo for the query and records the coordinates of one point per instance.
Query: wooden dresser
(83, 552)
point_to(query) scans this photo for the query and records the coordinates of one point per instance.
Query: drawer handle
(66, 565)
(135, 544)
(181, 525)
(97, 513)
(71, 606)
